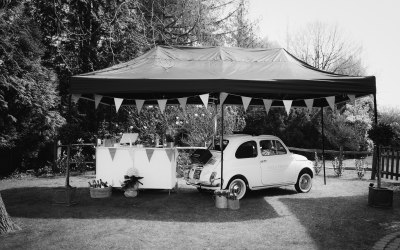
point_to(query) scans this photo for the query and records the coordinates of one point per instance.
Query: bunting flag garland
(222, 97)
(204, 99)
(75, 98)
(331, 101)
(182, 102)
(246, 101)
(309, 104)
(267, 104)
(162, 103)
(97, 99)
(288, 105)
(112, 152)
(118, 102)
(139, 105)
(170, 153)
(352, 99)
(149, 152)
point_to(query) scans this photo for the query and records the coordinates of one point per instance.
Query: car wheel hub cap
(305, 183)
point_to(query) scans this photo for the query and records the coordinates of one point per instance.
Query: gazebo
(193, 75)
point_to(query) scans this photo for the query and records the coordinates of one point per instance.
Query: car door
(246, 163)
(274, 162)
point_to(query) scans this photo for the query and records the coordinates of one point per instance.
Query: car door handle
(262, 161)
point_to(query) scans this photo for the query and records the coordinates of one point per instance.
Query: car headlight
(212, 177)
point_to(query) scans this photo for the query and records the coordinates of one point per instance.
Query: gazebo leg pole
(221, 143)
(375, 163)
(323, 142)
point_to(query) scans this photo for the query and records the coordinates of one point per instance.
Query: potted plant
(100, 189)
(233, 202)
(221, 200)
(379, 196)
(131, 183)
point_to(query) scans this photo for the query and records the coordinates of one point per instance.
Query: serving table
(157, 166)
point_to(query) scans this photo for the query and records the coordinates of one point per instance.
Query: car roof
(240, 137)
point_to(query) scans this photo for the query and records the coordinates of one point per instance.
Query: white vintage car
(252, 162)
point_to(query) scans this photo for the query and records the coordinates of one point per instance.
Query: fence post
(68, 162)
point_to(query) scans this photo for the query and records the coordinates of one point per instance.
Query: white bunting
(118, 102)
(352, 99)
(267, 105)
(162, 103)
(204, 99)
(331, 101)
(288, 105)
(112, 152)
(97, 99)
(222, 97)
(75, 97)
(309, 104)
(182, 102)
(246, 101)
(139, 105)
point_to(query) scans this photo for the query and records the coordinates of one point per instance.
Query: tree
(322, 46)
(28, 96)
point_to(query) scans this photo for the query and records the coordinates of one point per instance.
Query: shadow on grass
(188, 205)
(344, 222)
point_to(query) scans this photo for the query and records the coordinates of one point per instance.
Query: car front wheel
(304, 183)
(238, 187)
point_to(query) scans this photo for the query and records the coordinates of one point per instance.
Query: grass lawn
(332, 216)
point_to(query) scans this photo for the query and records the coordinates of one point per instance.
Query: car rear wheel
(238, 187)
(304, 183)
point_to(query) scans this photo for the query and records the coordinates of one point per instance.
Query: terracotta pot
(380, 197)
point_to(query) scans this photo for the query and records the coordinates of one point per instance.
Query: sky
(372, 24)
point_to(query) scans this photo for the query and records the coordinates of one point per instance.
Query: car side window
(247, 150)
(267, 148)
(280, 149)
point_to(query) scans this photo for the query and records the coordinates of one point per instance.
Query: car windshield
(217, 146)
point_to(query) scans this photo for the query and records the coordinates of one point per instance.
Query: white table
(157, 166)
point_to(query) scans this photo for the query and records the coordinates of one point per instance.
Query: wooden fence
(389, 162)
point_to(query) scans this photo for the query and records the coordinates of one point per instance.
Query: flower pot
(221, 201)
(101, 192)
(131, 192)
(380, 197)
(233, 204)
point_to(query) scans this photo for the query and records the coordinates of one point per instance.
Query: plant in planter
(233, 202)
(131, 183)
(99, 189)
(381, 135)
(221, 198)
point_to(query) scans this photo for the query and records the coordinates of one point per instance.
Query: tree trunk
(6, 224)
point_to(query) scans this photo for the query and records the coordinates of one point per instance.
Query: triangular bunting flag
(139, 105)
(75, 97)
(112, 152)
(97, 99)
(204, 99)
(309, 103)
(331, 101)
(352, 99)
(162, 103)
(267, 104)
(149, 152)
(182, 102)
(246, 101)
(118, 102)
(170, 154)
(288, 105)
(222, 97)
